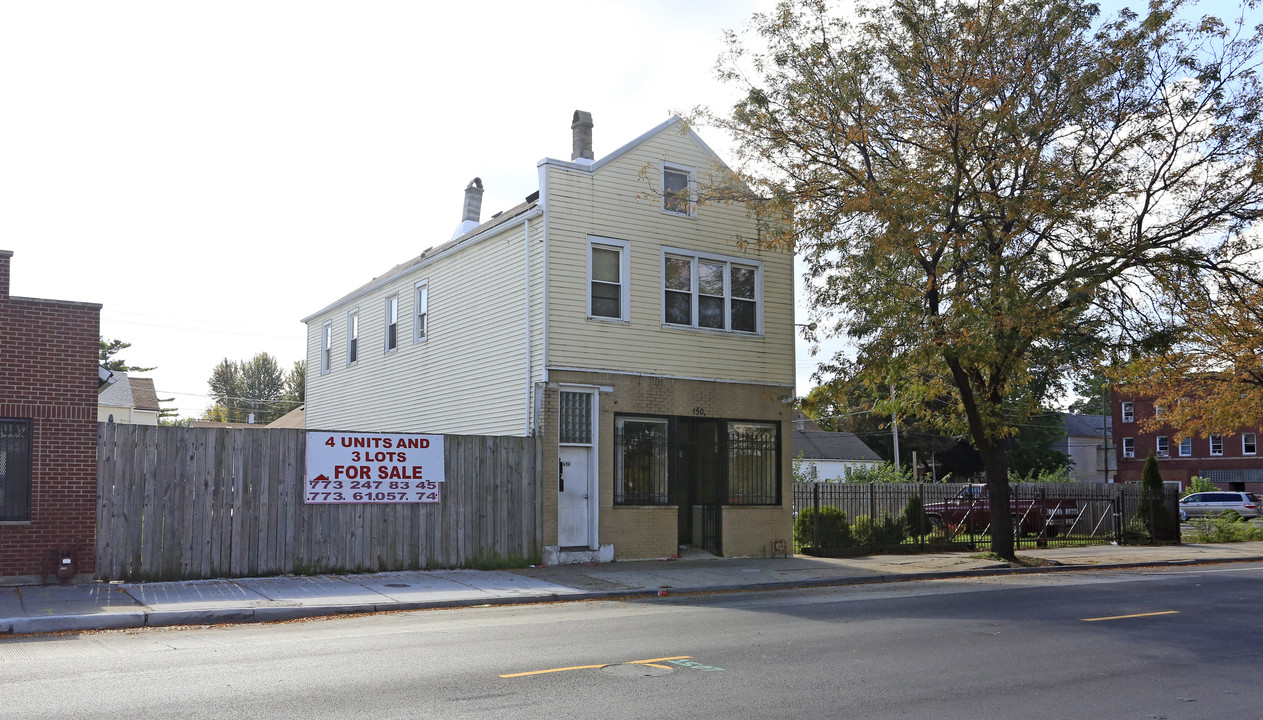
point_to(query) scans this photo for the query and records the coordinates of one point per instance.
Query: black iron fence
(833, 519)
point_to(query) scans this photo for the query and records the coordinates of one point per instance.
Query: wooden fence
(183, 503)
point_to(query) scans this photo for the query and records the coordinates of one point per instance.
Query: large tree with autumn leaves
(988, 194)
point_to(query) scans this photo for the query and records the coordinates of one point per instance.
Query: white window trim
(1212, 445)
(386, 348)
(1129, 412)
(352, 336)
(1255, 443)
(692, 183)
(695, 256)
(1162, 446)
(624, 277)
(1129, 447)
(326, 347)
(1186, 447)
(420, 293)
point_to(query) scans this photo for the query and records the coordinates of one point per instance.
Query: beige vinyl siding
(616, 202)
(467, 377)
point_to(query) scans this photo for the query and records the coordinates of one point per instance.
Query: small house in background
(1088, 445)
(833, 455)
(127, 400)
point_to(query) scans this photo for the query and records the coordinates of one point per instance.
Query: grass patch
(1223, 530)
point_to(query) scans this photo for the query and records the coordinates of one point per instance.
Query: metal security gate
(700, 489)
(15, 470)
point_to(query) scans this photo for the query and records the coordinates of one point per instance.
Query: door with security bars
(699, 475)
(576, 489)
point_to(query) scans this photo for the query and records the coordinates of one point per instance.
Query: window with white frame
(421, 311)
(1249, 444)
(326, 346)
(352, 337)
(1163, 446)
(1216, 444)
(607, 279)
(1129, 412)
(1129, 447)
(1186, 447)
(678, 189)
(711, 292)
(392, 323)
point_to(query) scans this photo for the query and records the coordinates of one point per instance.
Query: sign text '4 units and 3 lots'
(373, 468)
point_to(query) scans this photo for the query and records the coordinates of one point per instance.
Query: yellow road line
(1138, 615)
(590, 667)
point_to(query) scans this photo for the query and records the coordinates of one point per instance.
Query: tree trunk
(996, 466)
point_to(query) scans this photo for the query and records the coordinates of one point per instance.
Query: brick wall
(48, 362)
(1177, 467)
(651, 532)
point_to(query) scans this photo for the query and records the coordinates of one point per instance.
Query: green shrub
(824, 529)
(886, 530)
(1223, 529)
(1198, 484)
(1152, 509)
(914, 517)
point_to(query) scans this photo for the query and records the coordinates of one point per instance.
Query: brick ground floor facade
(636, 466)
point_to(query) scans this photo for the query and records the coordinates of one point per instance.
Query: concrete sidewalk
(96, 606)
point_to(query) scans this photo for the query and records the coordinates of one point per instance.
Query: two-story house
(1230, 461)
(636, 329)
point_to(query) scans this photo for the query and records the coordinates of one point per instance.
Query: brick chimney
(581, 128)
(473, 201)
(472, 216)
(4, 272)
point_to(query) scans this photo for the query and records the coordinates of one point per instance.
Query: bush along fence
(835, 519)
(184, 503)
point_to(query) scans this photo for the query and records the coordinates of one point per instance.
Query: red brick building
(48, 428)
(1233, 462)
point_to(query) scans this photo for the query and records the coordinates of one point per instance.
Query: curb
(217, 616)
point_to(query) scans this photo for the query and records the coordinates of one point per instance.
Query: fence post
(1118, 517)
(815, 516)
(872, 518)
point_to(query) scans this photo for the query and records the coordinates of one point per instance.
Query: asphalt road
(1144, 644)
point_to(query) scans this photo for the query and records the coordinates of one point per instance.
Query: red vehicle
(970, 511)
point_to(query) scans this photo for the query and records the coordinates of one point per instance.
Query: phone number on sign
(372, 491)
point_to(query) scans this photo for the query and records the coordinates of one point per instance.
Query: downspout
(543, 201)
(526, 426)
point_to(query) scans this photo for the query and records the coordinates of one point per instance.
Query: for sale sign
(373, 468)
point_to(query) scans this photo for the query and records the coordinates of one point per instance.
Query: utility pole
(894, 425)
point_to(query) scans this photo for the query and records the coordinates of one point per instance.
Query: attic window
(678, 190)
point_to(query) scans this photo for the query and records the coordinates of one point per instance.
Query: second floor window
(1163, 446)
(1216, 444)
(710, 292)
(1129, 447)
(1129, 412)
(607, 280)
(1249, 444)
(421, 312)
(392, 322)
(1186, 447)
(326, 346)
(352, 337)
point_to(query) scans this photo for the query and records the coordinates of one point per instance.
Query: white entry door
(576, 489)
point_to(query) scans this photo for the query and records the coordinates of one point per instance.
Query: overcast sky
(212, 172)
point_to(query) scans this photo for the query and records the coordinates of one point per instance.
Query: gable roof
(1085, 425)
(129, 392)
(822, 445)
(431, 254)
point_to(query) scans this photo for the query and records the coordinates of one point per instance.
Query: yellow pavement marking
(649, 662)
(1137, 615)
